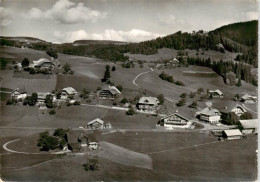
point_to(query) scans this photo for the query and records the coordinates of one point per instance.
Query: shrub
(181, 103)
(76, 103)
(124, 100)
(200, 90)
(161, 99)
(193, 104)
(113, 68)
(119, 87)
(25, 63)
(166, 77)
(60, 132)
(48, 101)
(52, 112)
(180, 83)
(246, 115)
(10, 102)
(130, 111)
(238, 84)
(183, 95)
(32, 71)
(91, 165)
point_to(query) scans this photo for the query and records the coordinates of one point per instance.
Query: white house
(98, 124)
(18, 94)
(210, 115)
(42, 63)
(68, 92)
(42, 96)
(148, 103)
(174, 121)
(216, 93)
(249, 99)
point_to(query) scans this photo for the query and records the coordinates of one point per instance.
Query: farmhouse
(42, 63)
(173, 121)
(18, 94)
(42, 96)
(230, 106)
(216, 93)
(232, 134)
(68, 92)
(148, 103)
(249, 126)
(249, 99)
(109, 92)
(80, 140)
(98, 124)
(209, 115)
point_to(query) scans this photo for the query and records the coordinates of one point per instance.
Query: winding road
(249, 109)
(139, 76)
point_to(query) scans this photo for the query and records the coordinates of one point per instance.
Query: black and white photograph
(129, 90)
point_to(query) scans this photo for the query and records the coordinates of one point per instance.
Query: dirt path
(190, 146)
(249, 109)
(134, 80)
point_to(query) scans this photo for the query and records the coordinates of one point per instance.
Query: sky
(60, 21)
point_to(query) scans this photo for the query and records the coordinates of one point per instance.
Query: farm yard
(136, 143)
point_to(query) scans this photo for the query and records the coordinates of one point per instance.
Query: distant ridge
(23, 39)
(98, 42)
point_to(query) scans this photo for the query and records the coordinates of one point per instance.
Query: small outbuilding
(216, 93)
(249, 99)
(249, 126)
(18, 94)
(232, 134)
(109, 92)
(148, 103)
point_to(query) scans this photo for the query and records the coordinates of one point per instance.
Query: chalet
(18, 94)
(42, 96)
(249, 126)
(216, 93)
(109, 92)
(230, 106)
(98, 124)
(249, 99)
(68, 92)
(148, 103)
(209, 114)
(78, 140)
(232, 134)
(42, 63)
(173, 121)
(174, 61)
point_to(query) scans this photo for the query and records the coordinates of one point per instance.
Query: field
(133, 145)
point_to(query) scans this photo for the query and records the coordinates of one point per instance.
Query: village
(128, 104)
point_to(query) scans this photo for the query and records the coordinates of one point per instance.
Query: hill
(98, 42)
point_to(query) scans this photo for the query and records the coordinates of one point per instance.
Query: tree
(124, 100)
(113, 68)
(130, 111)
(200, 90)
(106, 74)
(91, 164)
(84, 94)
(180, 83)
(52, 53)
(47, 142)
(52, 112)
(66, 67)
(34, 97)
(25, 62)
(181, 103)
(246, 115)
(193, 105)
(161, 99)
(60, 132)
(183, 95)
(238, 84)
(48, 101)
(230, 78)
(119, 87)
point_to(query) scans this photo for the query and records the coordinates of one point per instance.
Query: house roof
(148, 100)
(249, 123)
(176, 114)
(216, 91)
(227, 106)
(21, 91)
(41, 61)
(209, 111)
(69, 90)
(96, 120)
(42, 95)
(233, 132)
(247, 96)
(112, 89)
